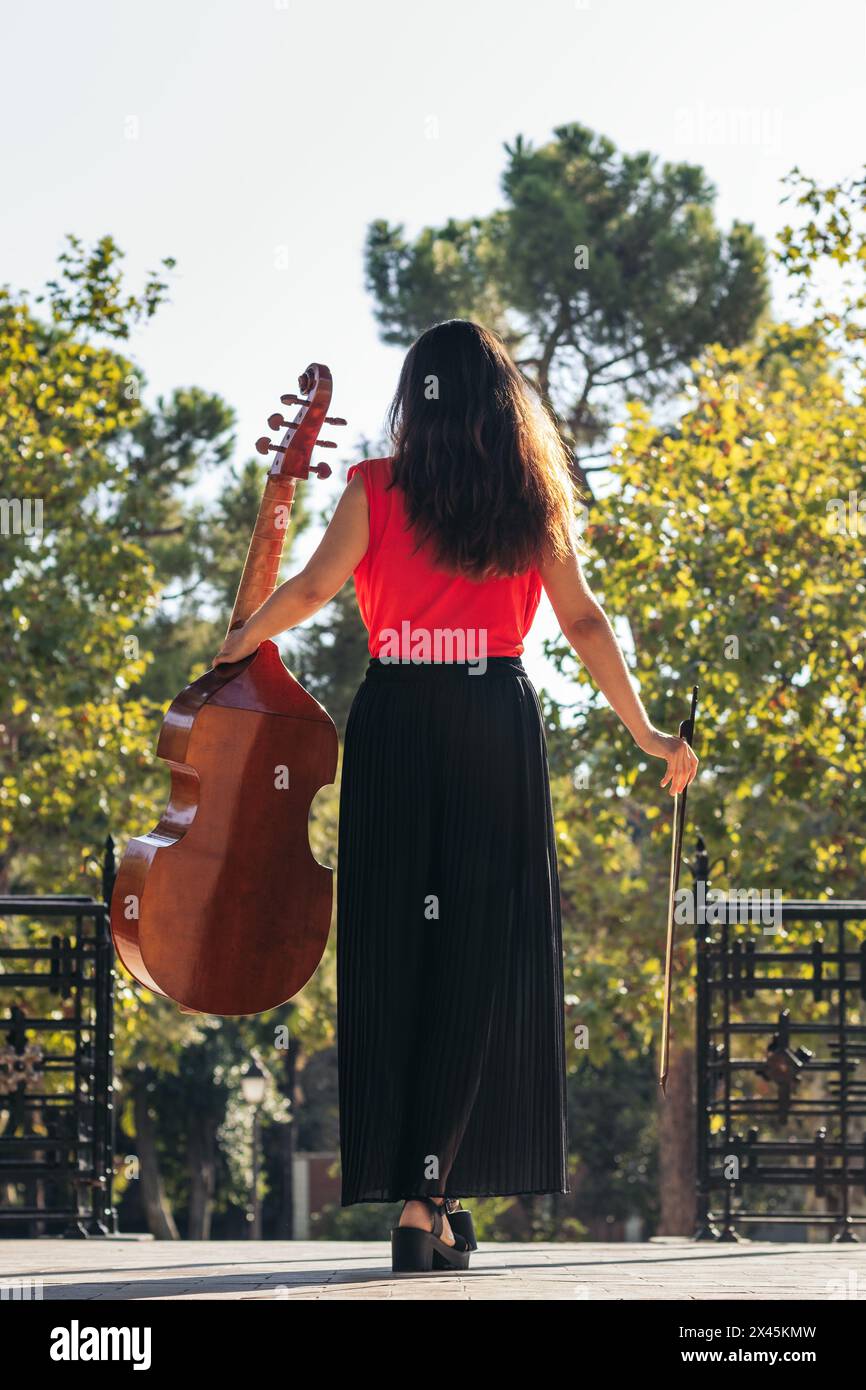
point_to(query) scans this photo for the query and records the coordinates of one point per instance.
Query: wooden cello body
(222, 907)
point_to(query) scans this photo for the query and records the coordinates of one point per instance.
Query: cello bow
(687, 731)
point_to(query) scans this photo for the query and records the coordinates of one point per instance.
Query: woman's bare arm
(339, 552)
(585, 626)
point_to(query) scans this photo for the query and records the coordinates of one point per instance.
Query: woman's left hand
(238, 644)
(681, 759)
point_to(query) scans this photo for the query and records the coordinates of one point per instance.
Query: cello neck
(293, 454)
(262, 565)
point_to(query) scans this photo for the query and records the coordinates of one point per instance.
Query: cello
(222, 907)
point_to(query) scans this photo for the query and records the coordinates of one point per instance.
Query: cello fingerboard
(262, 565)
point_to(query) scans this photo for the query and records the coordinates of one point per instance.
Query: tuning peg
(293, 400)
(323, 469)
(276, 422)
(264, 445)
(326, 443)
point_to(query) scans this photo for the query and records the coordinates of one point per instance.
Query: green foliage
(366, 1221)
(330, 656)
(717, 548)
(824, 255)
(611, 1113)
(123, 594)
(720, 545)
(447, 272)
(72, 595)
(204, 1095)
(89, 295)
(604, 272)
(117, 601)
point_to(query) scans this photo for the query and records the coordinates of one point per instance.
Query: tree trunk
(157, 1211)
(677, 1155)
(201, 1152)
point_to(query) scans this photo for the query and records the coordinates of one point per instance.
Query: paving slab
(135, 1269)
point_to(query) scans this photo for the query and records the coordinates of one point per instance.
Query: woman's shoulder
(375, 472)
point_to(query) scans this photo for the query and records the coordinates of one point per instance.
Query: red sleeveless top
(414, 609)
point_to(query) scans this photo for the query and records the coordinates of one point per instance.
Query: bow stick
(687, 731)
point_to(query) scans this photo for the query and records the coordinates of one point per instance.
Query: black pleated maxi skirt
(451, 1042)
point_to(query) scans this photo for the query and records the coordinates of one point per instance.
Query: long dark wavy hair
(484, 472)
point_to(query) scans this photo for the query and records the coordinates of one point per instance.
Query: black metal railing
(56, 1063)
(804, 1105)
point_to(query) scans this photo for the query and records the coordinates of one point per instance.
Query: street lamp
(253, 1092)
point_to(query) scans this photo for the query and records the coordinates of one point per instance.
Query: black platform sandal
(414, 1251)
(461, 1222)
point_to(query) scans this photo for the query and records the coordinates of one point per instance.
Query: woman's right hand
(240, 642)
(682, 764)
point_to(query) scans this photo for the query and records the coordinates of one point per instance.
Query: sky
(255, 140)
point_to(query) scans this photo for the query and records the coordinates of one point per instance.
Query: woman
(449, 954)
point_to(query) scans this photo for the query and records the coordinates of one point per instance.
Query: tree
(721, 547)
(604, 272)
(330, 656)
(108, 479)
(829, 236)
(117, 582)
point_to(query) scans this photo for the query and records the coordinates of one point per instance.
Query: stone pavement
(130, 1268)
